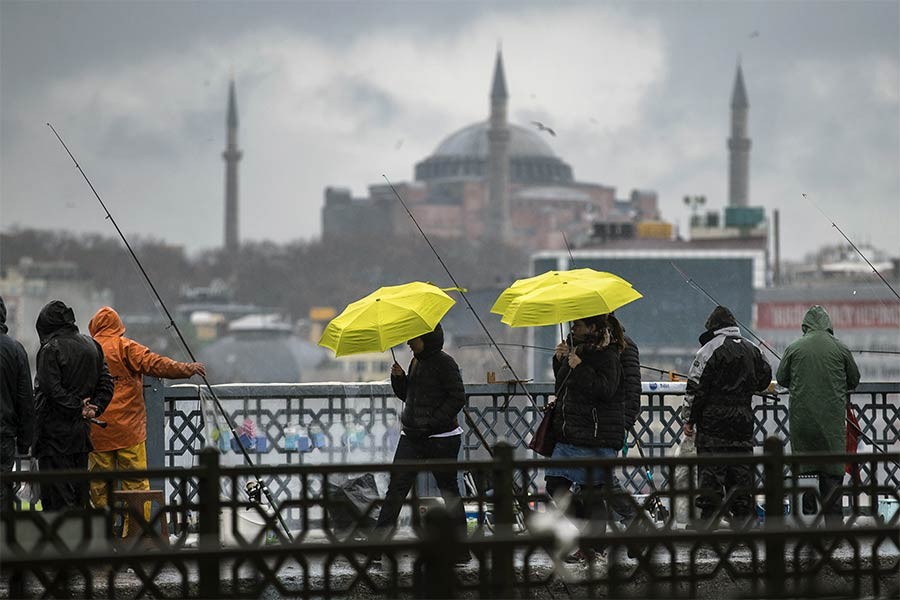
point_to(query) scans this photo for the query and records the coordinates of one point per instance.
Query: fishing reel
(254, 491)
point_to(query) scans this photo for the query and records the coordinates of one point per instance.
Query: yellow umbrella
(523, 286)
(386, 317)
(569, 301)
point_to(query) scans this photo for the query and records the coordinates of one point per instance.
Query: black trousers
(7, 457)
(61, 494)
(718, 480)
(408, 448)
(831, 498)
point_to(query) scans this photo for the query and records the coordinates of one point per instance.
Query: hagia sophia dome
(464, 154)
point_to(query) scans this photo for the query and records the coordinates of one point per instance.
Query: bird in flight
(754, 34)
(542, 127)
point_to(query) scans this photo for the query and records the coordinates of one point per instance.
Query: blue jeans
(577, 474)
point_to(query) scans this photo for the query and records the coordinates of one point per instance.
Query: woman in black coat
(433, 395)
(589, 419)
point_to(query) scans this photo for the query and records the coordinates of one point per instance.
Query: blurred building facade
(29, 286)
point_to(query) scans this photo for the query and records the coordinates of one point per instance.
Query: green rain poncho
(819, 371)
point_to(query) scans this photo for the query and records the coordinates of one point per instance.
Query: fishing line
(174, 326)
(699, 288)
(464, 297)
(852, 245)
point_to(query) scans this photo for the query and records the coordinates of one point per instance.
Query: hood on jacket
(817, 319)
(106, 323)
(433, 340)
(54, 318)
(720, 317)
(3, 327)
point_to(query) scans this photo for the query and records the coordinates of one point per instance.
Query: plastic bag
(349, 501)
(29, 494)
(681, 482)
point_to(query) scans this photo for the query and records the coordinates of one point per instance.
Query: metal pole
(208, 523)
(504, 517)
(774, 487)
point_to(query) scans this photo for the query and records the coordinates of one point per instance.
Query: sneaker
(580, 557)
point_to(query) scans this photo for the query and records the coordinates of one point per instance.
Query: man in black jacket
(726, 372)
(433, 394)
(73, 386)
(16, 406)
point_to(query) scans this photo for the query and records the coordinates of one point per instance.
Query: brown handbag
(544, 440)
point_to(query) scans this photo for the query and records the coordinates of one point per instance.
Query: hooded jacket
(70, 367)
(16, 398)
(128, 361)
(726, 372)
(819, 371)
(432, 390)
(631, 383)
(590, 403)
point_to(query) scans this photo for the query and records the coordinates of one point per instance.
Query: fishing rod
(876, 351)
(175, 327)
(464, 297)
(852, 245)
(699, 288)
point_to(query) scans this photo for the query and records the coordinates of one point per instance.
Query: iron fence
(77, 553)
(360, 423)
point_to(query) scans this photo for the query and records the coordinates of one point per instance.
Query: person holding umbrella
(588, 420)
(432, 390)
(433, 396)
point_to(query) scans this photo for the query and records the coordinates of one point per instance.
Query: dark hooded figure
(72, 385)
(16, 406)
(433, 394)
(725, 374)
(819, 371)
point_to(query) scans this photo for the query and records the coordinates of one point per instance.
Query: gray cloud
(638, 93)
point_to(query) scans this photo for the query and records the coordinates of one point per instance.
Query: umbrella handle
(393, 355)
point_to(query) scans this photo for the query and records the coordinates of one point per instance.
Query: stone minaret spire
(739, 145)
(497, 219)
(231, 155)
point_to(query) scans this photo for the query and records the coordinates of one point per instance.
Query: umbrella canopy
(569, 300)
(523, 286)
(386, 317)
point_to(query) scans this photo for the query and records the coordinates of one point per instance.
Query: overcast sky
(338, 93)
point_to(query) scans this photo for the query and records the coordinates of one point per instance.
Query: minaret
(231, 155)
(497, 218)
(739, 145)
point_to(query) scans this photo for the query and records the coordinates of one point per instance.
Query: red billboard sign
(864, 314)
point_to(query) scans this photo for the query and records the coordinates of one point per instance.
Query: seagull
(754, 34)
(542, 127)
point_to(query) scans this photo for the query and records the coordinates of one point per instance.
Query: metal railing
(75, 553)
(369, 412)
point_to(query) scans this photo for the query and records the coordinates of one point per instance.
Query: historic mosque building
(491, 179)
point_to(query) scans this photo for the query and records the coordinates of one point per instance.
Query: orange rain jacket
(126, 415)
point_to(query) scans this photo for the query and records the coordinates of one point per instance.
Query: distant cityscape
(499, 182)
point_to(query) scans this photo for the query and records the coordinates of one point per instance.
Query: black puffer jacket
(589, 410)
(16, 399)
(725, 373)
(631, 383)
(70, 367)
(432, 390)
